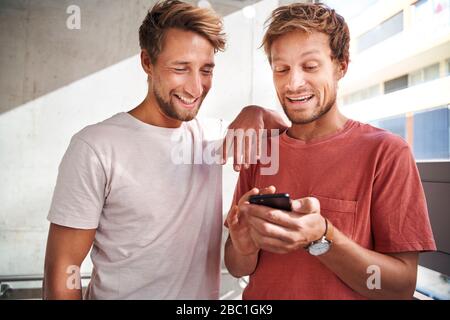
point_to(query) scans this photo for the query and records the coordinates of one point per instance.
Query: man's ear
(146, 63)
(343, 67)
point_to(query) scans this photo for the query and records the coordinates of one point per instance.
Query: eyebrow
(185, 63)
(310, 52)
(307, 53)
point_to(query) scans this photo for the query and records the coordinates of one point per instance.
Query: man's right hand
(239, 228)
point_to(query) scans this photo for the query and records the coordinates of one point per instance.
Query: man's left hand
(281, 231)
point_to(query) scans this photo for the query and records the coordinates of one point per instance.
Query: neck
(149, 112)
(329, 123)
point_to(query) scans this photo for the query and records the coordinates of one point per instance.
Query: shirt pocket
(341, 213)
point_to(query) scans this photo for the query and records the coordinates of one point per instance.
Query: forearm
(60, 285)
(239, 265)
(66, 250)
(350, 262)
(274, 120)
(271, 119)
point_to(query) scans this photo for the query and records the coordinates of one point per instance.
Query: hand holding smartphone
(280, 201)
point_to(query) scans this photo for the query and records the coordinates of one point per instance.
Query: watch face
(318, 248)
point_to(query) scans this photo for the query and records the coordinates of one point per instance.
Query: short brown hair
(309, 17)
(177, 14)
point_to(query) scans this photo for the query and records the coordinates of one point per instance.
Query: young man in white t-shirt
(137, 187)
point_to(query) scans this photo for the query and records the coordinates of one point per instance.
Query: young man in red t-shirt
(360, 217)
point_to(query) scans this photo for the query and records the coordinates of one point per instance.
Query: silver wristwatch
(323, 245)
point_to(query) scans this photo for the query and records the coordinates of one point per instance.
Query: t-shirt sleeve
(399, 214)
(80, 188)
(245, 183)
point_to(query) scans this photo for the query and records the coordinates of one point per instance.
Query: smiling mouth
(188, 102)
(301, 99)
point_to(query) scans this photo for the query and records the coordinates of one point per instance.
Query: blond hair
(177, 14)
(308, 18)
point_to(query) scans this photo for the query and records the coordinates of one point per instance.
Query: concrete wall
(39, 54)
(54, 81)
(33, 138)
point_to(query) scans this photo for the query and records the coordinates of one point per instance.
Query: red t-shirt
(368, 186)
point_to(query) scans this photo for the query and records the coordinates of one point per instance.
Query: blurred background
(59, 74)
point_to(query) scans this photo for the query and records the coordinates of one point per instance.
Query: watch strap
(329, 233)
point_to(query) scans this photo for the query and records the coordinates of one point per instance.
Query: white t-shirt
(158, 221)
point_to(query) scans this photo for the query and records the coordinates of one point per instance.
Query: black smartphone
(280, 201)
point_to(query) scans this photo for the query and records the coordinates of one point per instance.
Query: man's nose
(194, 86)
(296, 80)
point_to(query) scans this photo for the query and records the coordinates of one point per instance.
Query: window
(396, 84)
(423, 75)
(431, 72)
(448, 67)
(380, 33)
(363, 94)
(422, 11)
(349, 9)
(396, 125)
(431, 134)
(431, 13)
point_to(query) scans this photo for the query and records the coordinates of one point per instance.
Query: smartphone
(280, 201)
